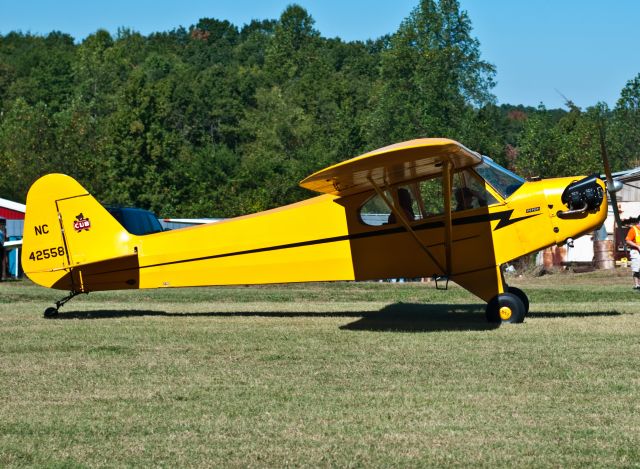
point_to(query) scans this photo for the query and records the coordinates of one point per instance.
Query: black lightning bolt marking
(504, 219)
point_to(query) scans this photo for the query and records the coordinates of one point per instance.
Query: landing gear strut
(51, 312)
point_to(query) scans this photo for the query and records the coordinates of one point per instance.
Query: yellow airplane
(421, 208)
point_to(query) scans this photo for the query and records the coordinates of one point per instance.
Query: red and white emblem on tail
(81, 223)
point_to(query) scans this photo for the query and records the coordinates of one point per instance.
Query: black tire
(523, 297)
(50, 312)
(505, 308)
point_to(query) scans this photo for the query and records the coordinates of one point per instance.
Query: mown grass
(328, 375)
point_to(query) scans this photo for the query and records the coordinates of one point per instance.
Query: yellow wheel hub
(505, 313)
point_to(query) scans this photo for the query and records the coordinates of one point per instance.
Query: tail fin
(71, 242)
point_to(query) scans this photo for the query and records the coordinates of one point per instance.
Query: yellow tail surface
(71, 242)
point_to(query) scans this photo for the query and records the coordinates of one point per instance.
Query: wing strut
(400, 216)
(447, 179)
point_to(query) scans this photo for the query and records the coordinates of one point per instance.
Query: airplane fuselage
(320, 239)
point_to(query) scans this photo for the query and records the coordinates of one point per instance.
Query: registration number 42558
(46, 253)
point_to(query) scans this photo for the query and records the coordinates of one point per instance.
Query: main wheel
(523, 297)
(50, 312)
(505, 307)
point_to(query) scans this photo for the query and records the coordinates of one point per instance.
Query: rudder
(71, 242)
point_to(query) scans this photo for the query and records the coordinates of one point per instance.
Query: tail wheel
(505, 307)
(523, 297)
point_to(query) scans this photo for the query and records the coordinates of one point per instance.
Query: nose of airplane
(582, 197)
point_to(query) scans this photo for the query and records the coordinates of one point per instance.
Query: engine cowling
(585, 195)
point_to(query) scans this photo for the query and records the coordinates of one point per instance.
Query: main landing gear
(51, 312)
(511, 306)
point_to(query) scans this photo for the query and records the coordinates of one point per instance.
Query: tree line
(219, 120)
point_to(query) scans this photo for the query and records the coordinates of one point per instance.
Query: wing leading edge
(390, 165)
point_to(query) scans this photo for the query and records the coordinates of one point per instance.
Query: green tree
(211, 42)
(430, 74)
(565, 147)
(37, 69)
(27, 146)
(292, 46)
(274, 161)
(624, 137)
(538, 148)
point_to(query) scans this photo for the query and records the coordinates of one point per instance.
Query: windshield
(501, 179)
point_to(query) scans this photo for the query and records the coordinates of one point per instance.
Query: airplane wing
(390, 165)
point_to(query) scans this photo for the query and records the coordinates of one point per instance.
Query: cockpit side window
(416, 200)
(423, 199)
(432, 202)
(375, 211)
(469, 192)
(405, 203)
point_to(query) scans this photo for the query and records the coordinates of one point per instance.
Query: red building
(11, 210)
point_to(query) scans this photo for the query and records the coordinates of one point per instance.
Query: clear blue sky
(584, 49)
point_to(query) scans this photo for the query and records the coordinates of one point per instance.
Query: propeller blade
(612, 186)
(605, 157)
(616, 212)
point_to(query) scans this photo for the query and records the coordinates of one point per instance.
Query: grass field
(328, 375)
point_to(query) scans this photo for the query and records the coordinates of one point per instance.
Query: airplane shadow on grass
(406, 317)
(398, 317)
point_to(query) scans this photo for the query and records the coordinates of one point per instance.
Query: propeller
(613, 185)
